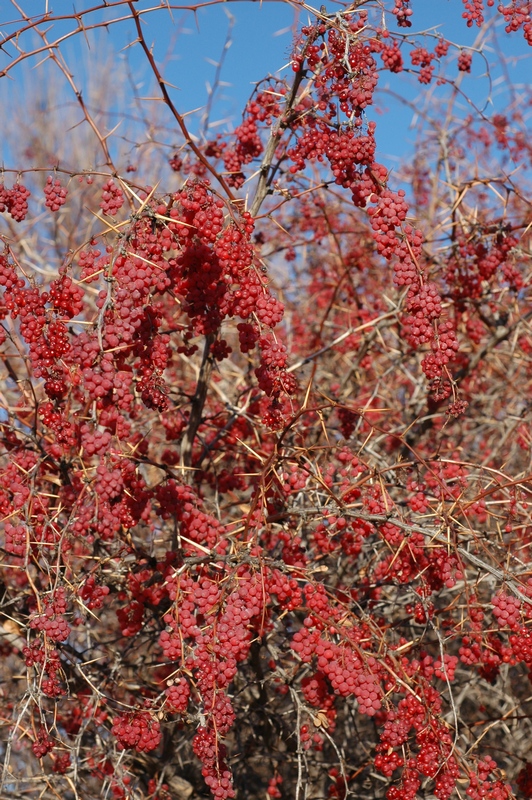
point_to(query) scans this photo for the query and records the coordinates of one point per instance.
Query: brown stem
(198, 401)
(266, 172)
(179, 119)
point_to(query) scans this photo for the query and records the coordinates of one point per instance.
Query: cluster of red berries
(112, 198)
(423, 305)
(517, 15)
(391, 57)
(247, 140)
(93, 594)
(403, 12)
(51, 621)
(131, 618)
(177, 696)
(62, 763)
(420, 57)
(464, 61)
(345, 72)
(433, 758)
(109, 483)
(474, 11)
(480, 786)
(507, 610)
(215, 771)
(16, 538)
(54, 193)
(43, 743)
(139, 730)
(15, 201)
(350, 155)
(46, 660)
(273, 789)
(66, 297)
(87, 260)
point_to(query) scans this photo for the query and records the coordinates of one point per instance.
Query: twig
(266, 173)
(177, 116)
(339, 339)
(198, 402)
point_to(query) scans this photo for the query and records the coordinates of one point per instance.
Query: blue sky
(261, 44)
(188, 45)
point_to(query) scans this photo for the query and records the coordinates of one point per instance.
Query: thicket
(265, 444)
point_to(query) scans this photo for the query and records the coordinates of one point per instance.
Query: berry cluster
(215, 771)
(423, 305)
(52, 621)
(247, 144)
(464, 61)
(474, 11)
(54, 193)
(112, 198)
(138, 730)
(48, 666)
(16, 538)
(177, 695)
(507, 610)
(272, 590)
(43, 743)
(391, 57)
(15, 201)
(524, 780)
(344, 669)
(345, 71)
(93, 594)
(517, 15)
(403, 12)
(420, 57)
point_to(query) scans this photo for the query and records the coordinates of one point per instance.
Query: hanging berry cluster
(344, 78)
